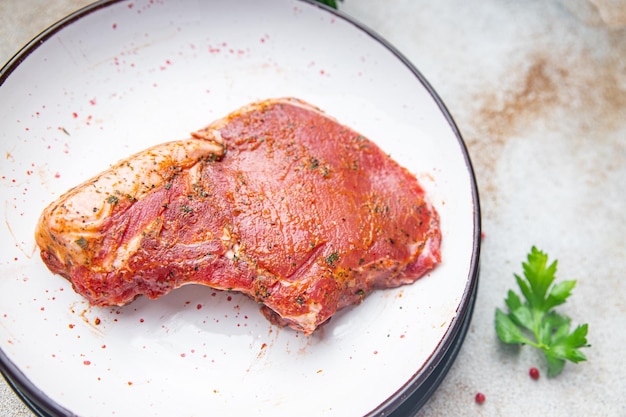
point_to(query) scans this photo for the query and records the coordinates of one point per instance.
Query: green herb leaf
(555, 364)
(559, 293)
(82, 242)
(507, 329)
(534, 322)
(332, 258)
(331, 3)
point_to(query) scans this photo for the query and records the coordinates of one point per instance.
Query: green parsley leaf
(534, 322)
(508, 331)
(331, 3)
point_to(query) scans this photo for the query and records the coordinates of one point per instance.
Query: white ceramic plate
(120, 76)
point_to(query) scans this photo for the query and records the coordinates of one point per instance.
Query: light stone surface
(538, 90)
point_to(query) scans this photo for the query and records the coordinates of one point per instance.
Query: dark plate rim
(409, 399)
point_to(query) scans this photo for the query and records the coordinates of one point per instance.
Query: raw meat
(277, 200)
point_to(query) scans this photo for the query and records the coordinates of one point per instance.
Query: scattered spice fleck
(97, 321)
(332, 258)
(82, 242)
(199, 306)
(71, 326)
(141, 320)
(534, 373)
(480, 398)
(87, 363)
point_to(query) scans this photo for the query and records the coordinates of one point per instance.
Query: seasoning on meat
(277, 201)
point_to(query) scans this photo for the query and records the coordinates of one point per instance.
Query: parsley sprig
(534, 321)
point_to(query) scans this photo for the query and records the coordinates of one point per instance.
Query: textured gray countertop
(538, 90)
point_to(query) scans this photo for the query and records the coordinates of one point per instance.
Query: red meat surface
(277, 200)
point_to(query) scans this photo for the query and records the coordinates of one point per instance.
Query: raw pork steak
(276, 200)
